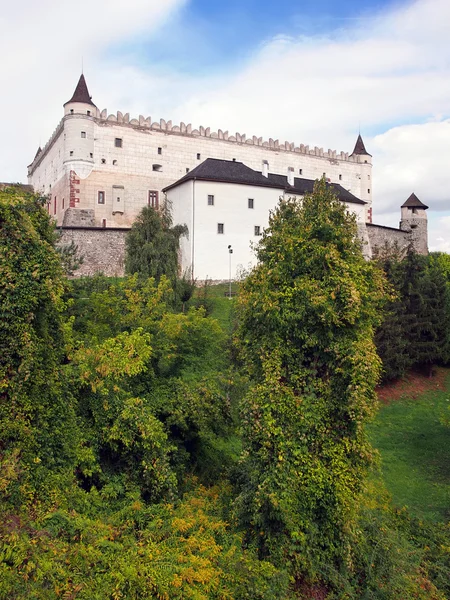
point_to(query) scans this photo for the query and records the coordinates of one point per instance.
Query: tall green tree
(153, 243)
(37, 421)
(424, 294)
(307, 315)
(390, 337)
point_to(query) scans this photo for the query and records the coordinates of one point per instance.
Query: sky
(309, 71)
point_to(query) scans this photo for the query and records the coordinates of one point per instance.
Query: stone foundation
(103, 250)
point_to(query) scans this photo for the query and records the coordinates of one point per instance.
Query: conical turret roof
(359, 147)
(414, 202)
(81, 93)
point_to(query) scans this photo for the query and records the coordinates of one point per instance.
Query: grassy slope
(415, 453)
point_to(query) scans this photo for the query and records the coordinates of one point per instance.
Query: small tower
(81, 101)
(80, 115)
(361, 156)
(414, 220)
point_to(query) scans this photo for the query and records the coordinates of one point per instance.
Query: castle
(99, 170)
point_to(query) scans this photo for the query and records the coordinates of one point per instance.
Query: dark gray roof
(359, 147)
(414, 202)
(230, 171)
(81, 93)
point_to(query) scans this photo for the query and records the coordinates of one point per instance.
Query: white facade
(83, 166)
(219, 215)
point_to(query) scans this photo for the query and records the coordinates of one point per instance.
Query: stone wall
(380, 236)
(103, 250)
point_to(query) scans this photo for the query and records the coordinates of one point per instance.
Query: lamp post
(230, 252)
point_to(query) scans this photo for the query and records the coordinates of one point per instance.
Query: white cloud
(42, 45)
(388, 72)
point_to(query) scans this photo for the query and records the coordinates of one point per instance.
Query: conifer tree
(152, 244)
(425, 301)
(390, 337)
(307, 314)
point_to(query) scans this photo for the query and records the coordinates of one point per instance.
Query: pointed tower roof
(414, 202)
(81, 93)
(39, 150)
(359, 147)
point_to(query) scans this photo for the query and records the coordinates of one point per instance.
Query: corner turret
(81, 101)
(360, 149)
(414, 220)
(361, 156)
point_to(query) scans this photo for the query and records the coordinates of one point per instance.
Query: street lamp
(230, 252)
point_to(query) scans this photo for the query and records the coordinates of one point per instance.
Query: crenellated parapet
(40, 155)
(146, 123)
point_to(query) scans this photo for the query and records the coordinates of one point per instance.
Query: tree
(152, 245)
(424, 293)
(37, 417)
(307, 314)
(390, 338)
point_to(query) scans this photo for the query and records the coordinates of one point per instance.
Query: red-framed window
(153, 199)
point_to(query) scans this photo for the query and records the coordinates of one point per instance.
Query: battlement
(146, 123)
(37, 159)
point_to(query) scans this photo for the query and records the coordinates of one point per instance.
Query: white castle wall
(131, 166)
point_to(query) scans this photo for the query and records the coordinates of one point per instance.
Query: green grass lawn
(415, 453)
(219, 303)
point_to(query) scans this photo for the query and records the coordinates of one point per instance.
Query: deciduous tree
(307, 316)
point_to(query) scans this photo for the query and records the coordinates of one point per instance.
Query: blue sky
(206, 35)
(310, 72)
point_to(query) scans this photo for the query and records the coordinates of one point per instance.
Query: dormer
(81, 102)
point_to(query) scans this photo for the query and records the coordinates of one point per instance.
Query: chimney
(290, 176)
(265, 168)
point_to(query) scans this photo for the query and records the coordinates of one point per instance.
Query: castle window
(88, 113)
(220, 228)
(63, 203)
(54, 207)
(368, 176)
(210, 200)
(159, 150)
(103, 161)
(91, 155)
(83, 134)
(71, 153)
(340, 177)
(187, 169)
(258, 230)
(300, 171)
(324, 175)
(118, 142)
(414, 210)
(103, 223)
(365, 161)
(71, 111)
(114, 162)
(368, 191)
(198, 155)
(157, 168)
(153, 199)
(101, 198)
(251, 203)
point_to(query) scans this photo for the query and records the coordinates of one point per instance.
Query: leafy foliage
(416, 326)
(37, 417)
(171, 551)
(152, 244)
(307, 314)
